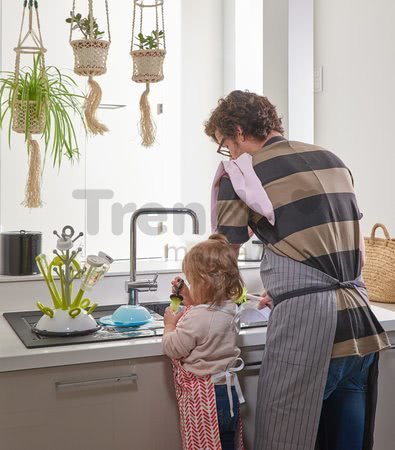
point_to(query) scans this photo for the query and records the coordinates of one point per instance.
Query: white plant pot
(26, 111)
(148, 65)
(90, 56)
(61, 323)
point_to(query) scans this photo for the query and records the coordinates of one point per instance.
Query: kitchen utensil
(67, 316)
(107, 321)
(250, 312)
(127, 316)
(253, 249)
(177, 298)
(18, 252)
(61, 324)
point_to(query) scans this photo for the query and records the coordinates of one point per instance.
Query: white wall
(202, 86)
(275, 55)
(243, 45)
(354, 115)
(300, 71)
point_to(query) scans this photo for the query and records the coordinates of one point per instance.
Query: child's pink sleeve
(179, 343)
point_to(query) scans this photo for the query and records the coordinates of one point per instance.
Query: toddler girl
(201, 341)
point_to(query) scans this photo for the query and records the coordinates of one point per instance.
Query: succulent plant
(149, 41)
(84, 25)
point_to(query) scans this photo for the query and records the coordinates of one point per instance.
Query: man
(322, 339)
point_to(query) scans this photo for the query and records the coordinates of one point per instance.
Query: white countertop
(15, 356)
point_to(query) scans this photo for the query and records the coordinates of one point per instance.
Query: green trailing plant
(54, 96)
(149, 41)
(84, 25)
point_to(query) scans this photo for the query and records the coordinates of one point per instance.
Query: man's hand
(265, 301)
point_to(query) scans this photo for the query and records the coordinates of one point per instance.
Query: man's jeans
(343, 412)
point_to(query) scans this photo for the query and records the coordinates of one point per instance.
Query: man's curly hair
(256, 116)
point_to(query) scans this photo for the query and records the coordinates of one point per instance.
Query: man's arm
(233, 215)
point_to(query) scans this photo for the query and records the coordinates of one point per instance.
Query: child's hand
(170, 319)
(184, 291)
(266, 300)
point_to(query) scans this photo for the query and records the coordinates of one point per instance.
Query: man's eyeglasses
(223, 150)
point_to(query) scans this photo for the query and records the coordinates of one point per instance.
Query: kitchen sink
(159, 308)
(22, 322)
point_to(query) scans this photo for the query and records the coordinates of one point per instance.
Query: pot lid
(21, 232)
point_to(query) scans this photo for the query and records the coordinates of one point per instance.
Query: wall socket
(159, 108)
(318, 83)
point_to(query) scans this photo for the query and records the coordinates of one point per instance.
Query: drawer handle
(101, 381)
(252, 366)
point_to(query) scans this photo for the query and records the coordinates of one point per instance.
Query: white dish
(62, 323)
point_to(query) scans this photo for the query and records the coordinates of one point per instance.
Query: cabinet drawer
(116, 404)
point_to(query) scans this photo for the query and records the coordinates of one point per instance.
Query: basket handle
(373, 234)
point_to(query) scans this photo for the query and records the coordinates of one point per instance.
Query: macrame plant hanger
(148, 63)
(90, 60)
(28, 117)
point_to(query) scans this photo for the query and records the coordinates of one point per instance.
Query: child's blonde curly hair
(211, 268)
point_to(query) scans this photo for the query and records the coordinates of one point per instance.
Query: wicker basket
(90, 56)
(27, 111)
(148, 65)
(379, 269)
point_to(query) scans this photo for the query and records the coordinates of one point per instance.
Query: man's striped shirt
(317, 223)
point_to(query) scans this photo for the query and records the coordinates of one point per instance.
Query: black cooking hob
(22, 322)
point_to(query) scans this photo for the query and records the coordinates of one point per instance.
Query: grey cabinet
(252, 357)
(117, 405)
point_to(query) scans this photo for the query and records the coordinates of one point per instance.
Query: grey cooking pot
(18, 251)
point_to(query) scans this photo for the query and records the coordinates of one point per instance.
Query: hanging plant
(90, 59)
(148, 61)
(39, 100)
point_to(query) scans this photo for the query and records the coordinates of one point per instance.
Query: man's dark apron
(298, 350)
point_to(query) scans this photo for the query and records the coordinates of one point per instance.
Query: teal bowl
(131, 315)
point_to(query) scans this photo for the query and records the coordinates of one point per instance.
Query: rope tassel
(147, 125)
(92, 102)
(33, 184)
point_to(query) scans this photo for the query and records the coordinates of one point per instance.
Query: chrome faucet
(133, 287)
